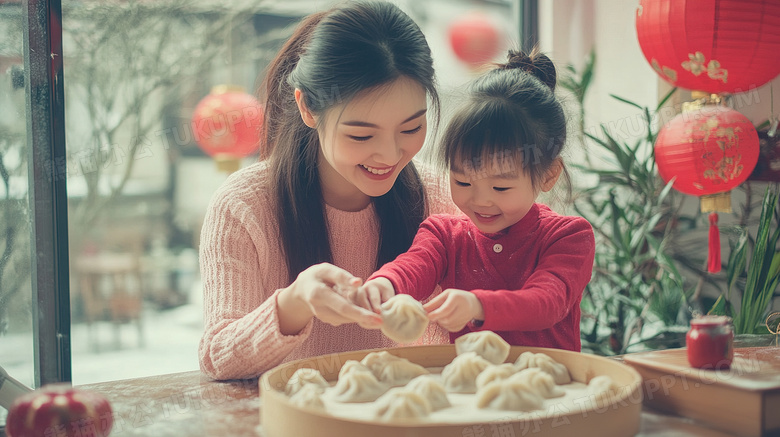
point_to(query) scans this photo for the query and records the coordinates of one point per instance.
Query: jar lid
(710, 320)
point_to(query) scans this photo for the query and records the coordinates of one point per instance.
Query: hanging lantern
(717, 46)
(709, 149)
(227, 125)
(474, 39)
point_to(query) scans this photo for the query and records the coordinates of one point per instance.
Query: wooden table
(189, 404)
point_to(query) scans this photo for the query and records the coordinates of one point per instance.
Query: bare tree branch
(141, 75)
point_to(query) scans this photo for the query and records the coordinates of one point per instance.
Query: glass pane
(16, 338)
(464, 37)
(138, 183)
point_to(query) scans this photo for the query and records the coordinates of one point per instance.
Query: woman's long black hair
(331, 57)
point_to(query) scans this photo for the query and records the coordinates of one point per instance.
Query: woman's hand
(453, 309)
(373, 293)
(322, 291)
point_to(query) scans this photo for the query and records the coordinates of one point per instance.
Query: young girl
(510, 265)
(346, 105)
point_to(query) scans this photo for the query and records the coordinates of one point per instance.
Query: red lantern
(718, 46)
(474, 39)
(709, 151)
(227, 125)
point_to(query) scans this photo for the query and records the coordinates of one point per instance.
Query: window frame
(529, 24)
(47, 190)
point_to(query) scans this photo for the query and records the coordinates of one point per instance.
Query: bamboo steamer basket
(617, 416)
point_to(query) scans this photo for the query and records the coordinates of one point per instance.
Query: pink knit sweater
(242, 270)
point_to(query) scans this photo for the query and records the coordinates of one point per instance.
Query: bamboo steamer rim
(625, 402)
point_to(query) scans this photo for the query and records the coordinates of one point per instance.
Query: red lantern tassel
(713, 262)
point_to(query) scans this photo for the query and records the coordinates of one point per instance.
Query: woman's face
(365, 143)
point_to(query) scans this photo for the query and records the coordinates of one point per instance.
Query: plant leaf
(667, 188)
(763, 125)
(596, 139)
(636, 105)
(736, 262)
(665, 98)
(758, 270)
(722, 307)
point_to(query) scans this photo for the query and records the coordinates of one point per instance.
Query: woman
(346, 105)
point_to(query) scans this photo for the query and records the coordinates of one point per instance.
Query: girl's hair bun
(536, 63)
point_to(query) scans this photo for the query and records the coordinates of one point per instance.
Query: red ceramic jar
(710, 342)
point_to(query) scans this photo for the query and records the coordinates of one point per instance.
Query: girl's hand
(322, 291)
(373, 293)
(453, 309)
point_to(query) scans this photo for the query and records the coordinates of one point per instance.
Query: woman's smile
(378, 172)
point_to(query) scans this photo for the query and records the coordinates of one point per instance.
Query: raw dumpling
(558, 371)
(508, 395)
(303, 377)
(431, 389)
(310, 396)
(403, 318)
(460, 376)
(358, 386)
(378, 360)
(486, 344)
(399, 372)
(601, 386)
(352, 366)
(402, 404)
(392, 370)
(540, 381)
(495, 373)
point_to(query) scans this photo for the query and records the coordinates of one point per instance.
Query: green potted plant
(636, 296)
(760, 273)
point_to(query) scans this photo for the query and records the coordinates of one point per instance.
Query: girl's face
(495, 195)
(366, 143)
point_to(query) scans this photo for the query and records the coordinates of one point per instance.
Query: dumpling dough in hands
(540, 381)
(431, 389)
(495, 373)
(303, 377)
(402, 404)
(357, 386)
(310, 396)
(460, 376)
(486, 344)
(558, 371)
(403, 318)
(508, 395)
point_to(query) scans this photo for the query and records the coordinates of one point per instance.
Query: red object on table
(60, 410)
(710, 342)
(708, 151)
(718, 46)
(474, 39)
(227, 123)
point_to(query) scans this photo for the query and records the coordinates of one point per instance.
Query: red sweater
(529, 277)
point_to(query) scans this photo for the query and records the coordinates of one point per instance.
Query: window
(16, 328)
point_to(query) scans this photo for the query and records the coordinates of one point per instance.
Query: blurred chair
(109, 285)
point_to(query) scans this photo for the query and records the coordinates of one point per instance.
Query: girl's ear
(553, 173)
(308, 118)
